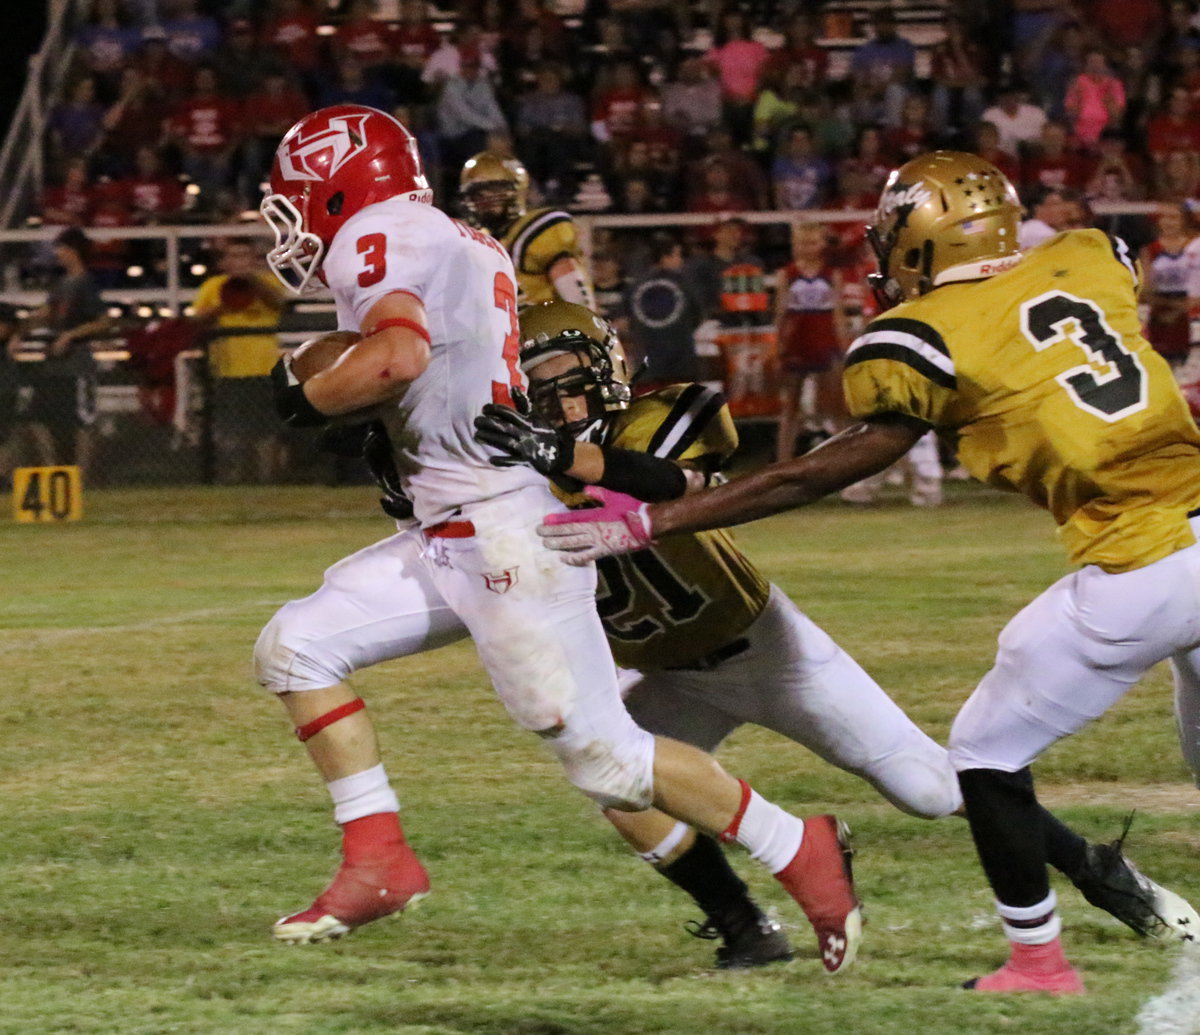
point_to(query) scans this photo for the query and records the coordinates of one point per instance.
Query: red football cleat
(1032, 968)
(820, 880)
(363, 890)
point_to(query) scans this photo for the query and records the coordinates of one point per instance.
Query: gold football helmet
(493, 190)
(558, 328)
(944, 216)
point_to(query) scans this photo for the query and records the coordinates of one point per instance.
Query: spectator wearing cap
(160, 67)
(1018, 121)
(62, 408)
(192, 36)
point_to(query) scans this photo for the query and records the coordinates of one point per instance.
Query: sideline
(1176, 1011)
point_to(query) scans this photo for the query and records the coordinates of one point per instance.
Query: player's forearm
(856, 453)
(637, 474)
(378, 369)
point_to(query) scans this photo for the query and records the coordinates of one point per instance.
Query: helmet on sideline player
(550, 330)
(330, 165)
(494, 190)
(944, 216)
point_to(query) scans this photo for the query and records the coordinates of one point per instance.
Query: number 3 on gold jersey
(1112, 383)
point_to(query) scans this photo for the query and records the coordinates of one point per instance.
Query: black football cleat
(749, 937)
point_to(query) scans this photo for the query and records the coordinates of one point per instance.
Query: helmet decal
(905, 196)
(345, 137)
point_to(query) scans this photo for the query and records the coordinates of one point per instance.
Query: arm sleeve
(647, 477)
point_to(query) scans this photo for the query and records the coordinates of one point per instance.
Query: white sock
(668, 844)
(771, 835)
(362, 794)
(1019, 931)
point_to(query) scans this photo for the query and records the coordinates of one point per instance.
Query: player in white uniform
(435, 301)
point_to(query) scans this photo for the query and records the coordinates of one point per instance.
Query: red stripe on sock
(730, 833)
(311, 729)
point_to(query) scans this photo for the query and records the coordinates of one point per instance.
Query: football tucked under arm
(290, 374)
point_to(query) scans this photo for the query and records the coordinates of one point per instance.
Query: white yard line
(20, 639)
(1176, 1011)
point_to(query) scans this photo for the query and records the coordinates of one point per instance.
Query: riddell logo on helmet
(988, 269)
(343, 139)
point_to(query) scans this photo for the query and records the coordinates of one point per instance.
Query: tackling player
(543, 242)
(664, 607)
(1038, 365)
(435, 301)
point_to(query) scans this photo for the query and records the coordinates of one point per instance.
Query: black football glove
(524, 438)
(291, 403)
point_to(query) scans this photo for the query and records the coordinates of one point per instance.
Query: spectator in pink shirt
(739, 62)
(1095, 99)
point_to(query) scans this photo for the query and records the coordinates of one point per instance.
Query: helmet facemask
(493, 205)
(297, 255)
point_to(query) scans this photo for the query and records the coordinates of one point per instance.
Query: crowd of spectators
(174, 107)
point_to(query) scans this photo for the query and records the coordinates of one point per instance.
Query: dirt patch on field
(1150, 797)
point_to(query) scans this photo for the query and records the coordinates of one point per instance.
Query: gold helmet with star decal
(945, 216)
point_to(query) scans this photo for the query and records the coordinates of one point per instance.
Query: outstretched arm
(623, 524)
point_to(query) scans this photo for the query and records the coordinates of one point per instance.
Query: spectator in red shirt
(747, 173)
(268, 114)
(1053, 163)
(1174, 127)
(155, 196)
(110, 258)
(1114, 159)
(957, 68)
(617, 105)
(914, 135)
(205, 125)
(870, 159)
(291, 29)
(719, 191)
(362, 37)
(69, 202)
(413, 38)
(1126, 23)
(739, 60)
(800, 48)
(135, 119)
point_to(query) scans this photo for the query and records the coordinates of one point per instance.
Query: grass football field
(158, 814)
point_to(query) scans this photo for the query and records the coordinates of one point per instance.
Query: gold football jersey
(674, 603)
(536, 242)
(1043, 374)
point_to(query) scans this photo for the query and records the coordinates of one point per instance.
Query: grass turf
(159, 816)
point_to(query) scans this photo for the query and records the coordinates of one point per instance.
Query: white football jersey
(466, 281)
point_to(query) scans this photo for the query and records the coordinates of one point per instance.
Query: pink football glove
(620, 525)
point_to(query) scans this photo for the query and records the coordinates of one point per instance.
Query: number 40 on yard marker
(47, 494)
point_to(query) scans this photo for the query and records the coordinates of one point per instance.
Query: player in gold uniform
(704, 642)
(543, 242)
(1038, 366)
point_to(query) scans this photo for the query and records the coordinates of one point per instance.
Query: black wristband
(649, 478)
(296, 411)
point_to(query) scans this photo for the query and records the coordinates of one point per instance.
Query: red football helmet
(328, 166)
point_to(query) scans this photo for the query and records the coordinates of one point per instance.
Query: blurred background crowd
(172, 109)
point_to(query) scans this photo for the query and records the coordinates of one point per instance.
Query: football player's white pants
(533, 620)
(1073, 653)
(795, 680)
